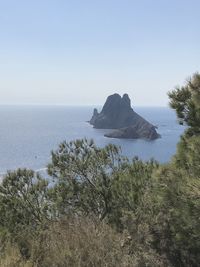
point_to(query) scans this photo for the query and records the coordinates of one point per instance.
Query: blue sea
(29, 133)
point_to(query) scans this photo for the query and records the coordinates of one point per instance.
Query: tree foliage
(83, 175)
(23, 200)
(186, 101)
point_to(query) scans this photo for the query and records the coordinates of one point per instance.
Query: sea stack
(118, 115)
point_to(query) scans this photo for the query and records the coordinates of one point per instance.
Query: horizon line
(73, 105)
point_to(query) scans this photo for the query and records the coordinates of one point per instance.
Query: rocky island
(118, 115)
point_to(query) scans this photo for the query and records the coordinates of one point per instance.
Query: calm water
(29, 133)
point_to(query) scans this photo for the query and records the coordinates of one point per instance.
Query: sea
(28, 134)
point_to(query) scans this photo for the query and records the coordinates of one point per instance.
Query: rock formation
(94, 116)
(117, 114)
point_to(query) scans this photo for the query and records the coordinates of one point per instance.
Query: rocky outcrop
(146, 131)
(94, 116)
(118, 114)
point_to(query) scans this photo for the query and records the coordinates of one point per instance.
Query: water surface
(29, 133)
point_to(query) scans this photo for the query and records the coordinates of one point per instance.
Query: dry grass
(13, 258)
(81, 242)
(73, 243)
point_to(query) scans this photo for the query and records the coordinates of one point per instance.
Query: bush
(74, 242)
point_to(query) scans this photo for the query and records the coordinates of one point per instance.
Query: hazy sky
(79, 51)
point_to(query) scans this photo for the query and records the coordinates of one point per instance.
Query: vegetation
(97, 208)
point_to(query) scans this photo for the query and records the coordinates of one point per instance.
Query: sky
(77, 52)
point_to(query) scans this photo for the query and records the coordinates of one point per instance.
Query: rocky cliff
(118, 114)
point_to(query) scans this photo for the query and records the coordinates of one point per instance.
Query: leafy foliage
(174, 202)
(24, 206)
(186, 101)
(83, 175)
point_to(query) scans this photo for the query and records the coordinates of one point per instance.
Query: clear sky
(77, 52)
